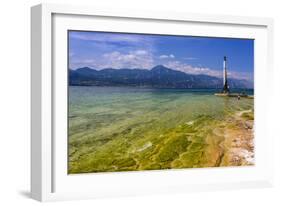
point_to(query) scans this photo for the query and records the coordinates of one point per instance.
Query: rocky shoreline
(238, 144)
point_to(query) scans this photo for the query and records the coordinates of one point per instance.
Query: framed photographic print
(135, 102)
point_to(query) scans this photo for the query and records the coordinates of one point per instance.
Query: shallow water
(121, 129)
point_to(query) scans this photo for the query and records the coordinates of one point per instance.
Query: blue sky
(195, 55)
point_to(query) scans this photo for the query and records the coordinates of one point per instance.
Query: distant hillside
(158, 77)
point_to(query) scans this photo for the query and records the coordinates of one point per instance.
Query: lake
(131, 129)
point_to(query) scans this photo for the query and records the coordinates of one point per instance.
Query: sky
(189, 54)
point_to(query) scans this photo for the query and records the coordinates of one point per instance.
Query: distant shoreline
(159, 77)
(149, 87)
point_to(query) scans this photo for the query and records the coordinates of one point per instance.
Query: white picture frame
(50, 181)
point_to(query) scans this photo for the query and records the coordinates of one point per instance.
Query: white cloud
(180, 66)
(141, 52)
(164, 56)
(135, 59)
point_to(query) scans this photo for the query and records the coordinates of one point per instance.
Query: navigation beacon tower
(225, 83)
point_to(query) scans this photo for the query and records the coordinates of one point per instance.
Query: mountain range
(157, 77)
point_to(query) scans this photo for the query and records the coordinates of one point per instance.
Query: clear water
(112, 124)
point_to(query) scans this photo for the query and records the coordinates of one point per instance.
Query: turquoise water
(109, 124)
